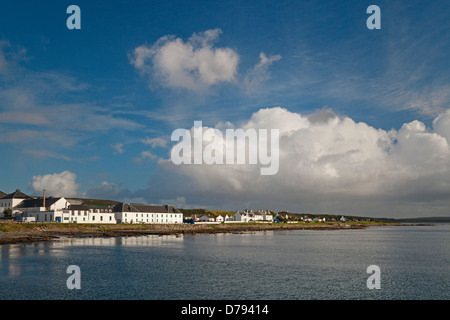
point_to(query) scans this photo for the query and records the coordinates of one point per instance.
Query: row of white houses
(60, 209)
(244, 216)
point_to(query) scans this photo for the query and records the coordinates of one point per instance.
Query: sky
(363, 114)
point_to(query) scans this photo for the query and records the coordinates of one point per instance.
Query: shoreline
(13, 233)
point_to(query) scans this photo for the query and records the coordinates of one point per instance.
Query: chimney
(44, 200)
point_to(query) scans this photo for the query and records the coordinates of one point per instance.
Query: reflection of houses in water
(149, 240)
(11, 254)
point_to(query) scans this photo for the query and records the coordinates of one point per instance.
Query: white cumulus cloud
(194, 64)
(57, 184)
(329, 163)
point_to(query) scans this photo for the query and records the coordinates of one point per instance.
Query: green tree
(7, 212)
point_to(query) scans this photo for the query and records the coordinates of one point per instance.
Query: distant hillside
(426, 219)
(297, 216)
(190, 212)
(223, 213)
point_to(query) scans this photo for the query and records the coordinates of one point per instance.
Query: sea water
(414, 263)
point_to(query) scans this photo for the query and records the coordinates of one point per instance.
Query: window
(101, 218)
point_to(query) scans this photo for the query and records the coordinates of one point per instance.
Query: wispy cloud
(118, 147)
(43, 154)
(50, 107)
(10, 57)
(155, 142)
(260, 72)
(143, 156)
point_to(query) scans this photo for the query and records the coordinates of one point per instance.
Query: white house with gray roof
(10, 201)
(61, 210)
(140, 213)
(253, 216)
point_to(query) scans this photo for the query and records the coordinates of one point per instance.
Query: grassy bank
(11, 231)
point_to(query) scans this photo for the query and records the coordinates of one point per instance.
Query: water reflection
(150, 240)
(12, 256)
(300, 264)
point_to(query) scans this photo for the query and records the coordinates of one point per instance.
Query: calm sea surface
(286, 265)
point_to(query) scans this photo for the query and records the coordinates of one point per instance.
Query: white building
(10, 201)
(140, 213)
(256, 216)
(38, 204)
(207, 218)
(266, 215)
(41, 209)
(253, 216)
(85, 214)
(60, 210)
(241, 216)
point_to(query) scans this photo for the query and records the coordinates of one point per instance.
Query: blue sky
(80, 102)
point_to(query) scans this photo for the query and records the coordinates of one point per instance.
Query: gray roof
(2, 194)
(78, 207)
(124, 207)
(37, 202)
(16, 195)
(135, 207)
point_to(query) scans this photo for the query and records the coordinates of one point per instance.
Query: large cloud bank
(328, 163)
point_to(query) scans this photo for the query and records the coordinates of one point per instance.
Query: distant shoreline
(13, 232)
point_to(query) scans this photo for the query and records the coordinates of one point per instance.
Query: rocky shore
(13, 232)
